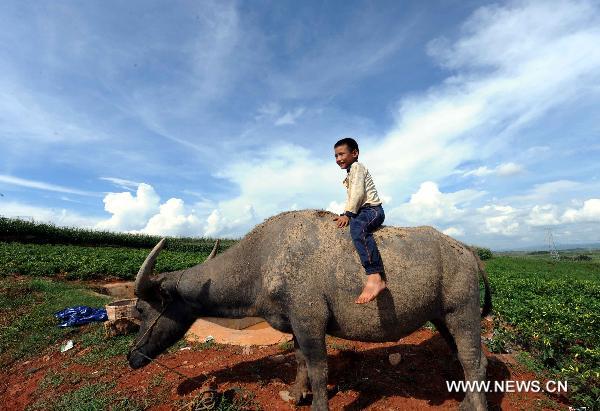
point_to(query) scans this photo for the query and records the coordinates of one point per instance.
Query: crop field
(78, 262)
(546, 315)
(23, 231)
(551, 310)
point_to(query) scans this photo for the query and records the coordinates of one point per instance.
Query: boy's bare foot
(373, 287)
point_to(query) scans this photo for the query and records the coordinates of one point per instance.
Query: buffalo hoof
(468, 404)
(285, 395)
(294, 397)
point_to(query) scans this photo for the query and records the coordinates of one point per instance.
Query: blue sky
(205, 118)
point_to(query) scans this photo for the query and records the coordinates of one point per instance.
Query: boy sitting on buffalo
(364, 214)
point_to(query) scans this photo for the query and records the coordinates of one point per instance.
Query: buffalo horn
(214, 250)
(142, 280)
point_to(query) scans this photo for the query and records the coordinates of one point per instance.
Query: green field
(546, 311)
(551, 309)
(30, 232)
(78, 262)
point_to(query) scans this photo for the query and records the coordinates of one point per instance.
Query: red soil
(360, 377)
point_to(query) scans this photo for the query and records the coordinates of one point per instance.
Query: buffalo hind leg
(465, 328)
(301, 386)
(445, 333)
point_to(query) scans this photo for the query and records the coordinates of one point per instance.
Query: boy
(364, 214)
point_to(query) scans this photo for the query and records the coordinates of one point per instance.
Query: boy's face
(344, 157)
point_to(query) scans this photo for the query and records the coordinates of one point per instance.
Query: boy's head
(346, 152)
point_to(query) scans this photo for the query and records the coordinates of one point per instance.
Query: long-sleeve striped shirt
(360, 188)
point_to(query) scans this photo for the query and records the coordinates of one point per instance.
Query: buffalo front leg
(300, 388)
(464, 326)
(309, 334)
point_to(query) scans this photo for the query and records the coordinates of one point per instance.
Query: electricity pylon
(551, 245)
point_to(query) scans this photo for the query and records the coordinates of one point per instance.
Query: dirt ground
(360, 377)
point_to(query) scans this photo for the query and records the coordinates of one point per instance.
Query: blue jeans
(361, 230)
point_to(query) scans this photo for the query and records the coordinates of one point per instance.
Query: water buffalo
(302, 274)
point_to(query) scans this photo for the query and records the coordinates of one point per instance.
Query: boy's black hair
(350, 142)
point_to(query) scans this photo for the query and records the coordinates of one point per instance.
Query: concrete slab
(257, 334)
(235, 323)
(120, 289)
(242, 331)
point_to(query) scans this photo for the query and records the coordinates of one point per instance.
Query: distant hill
(562, 247)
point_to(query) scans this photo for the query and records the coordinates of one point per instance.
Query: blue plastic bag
(80, 315)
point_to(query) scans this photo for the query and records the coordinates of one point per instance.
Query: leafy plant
(484, 253)
(552, 310)
(77, 262)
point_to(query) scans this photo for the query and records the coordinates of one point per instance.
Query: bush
(484, 253)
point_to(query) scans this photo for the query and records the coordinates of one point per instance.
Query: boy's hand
(342, 221)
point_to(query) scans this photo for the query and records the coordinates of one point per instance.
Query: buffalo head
(165, 315)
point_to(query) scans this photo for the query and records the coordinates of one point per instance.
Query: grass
(28, 307)
(34, 330)
(286, 346)
(89, 397)
(101, 348)
(339, 346)
(51, 380)
(233, 399)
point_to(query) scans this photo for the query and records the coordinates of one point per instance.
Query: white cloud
(454, 231)
(173, 220)
(543, 215)
(274, 178)
(335, 207)
(289, 117)
(357, 49)
(268, 110)
(479, 172)
(144, 213)
(218, 225)
(503, 170)
(509, 169)
(57, 216)
(129, 212)
(122, 183)
(429, 205)
(216, 65)
(30, 117)
(500, 219)
(40, 185)
(590, 211)
(550, 191)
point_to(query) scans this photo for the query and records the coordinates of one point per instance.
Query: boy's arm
(356, 190)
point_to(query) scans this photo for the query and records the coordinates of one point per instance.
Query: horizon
(535, 247)
(478, 118)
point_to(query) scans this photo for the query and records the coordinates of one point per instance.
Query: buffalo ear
(151, 291)
(164, 291)
(204, 290)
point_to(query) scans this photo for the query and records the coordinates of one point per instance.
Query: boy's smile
(344, 157)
